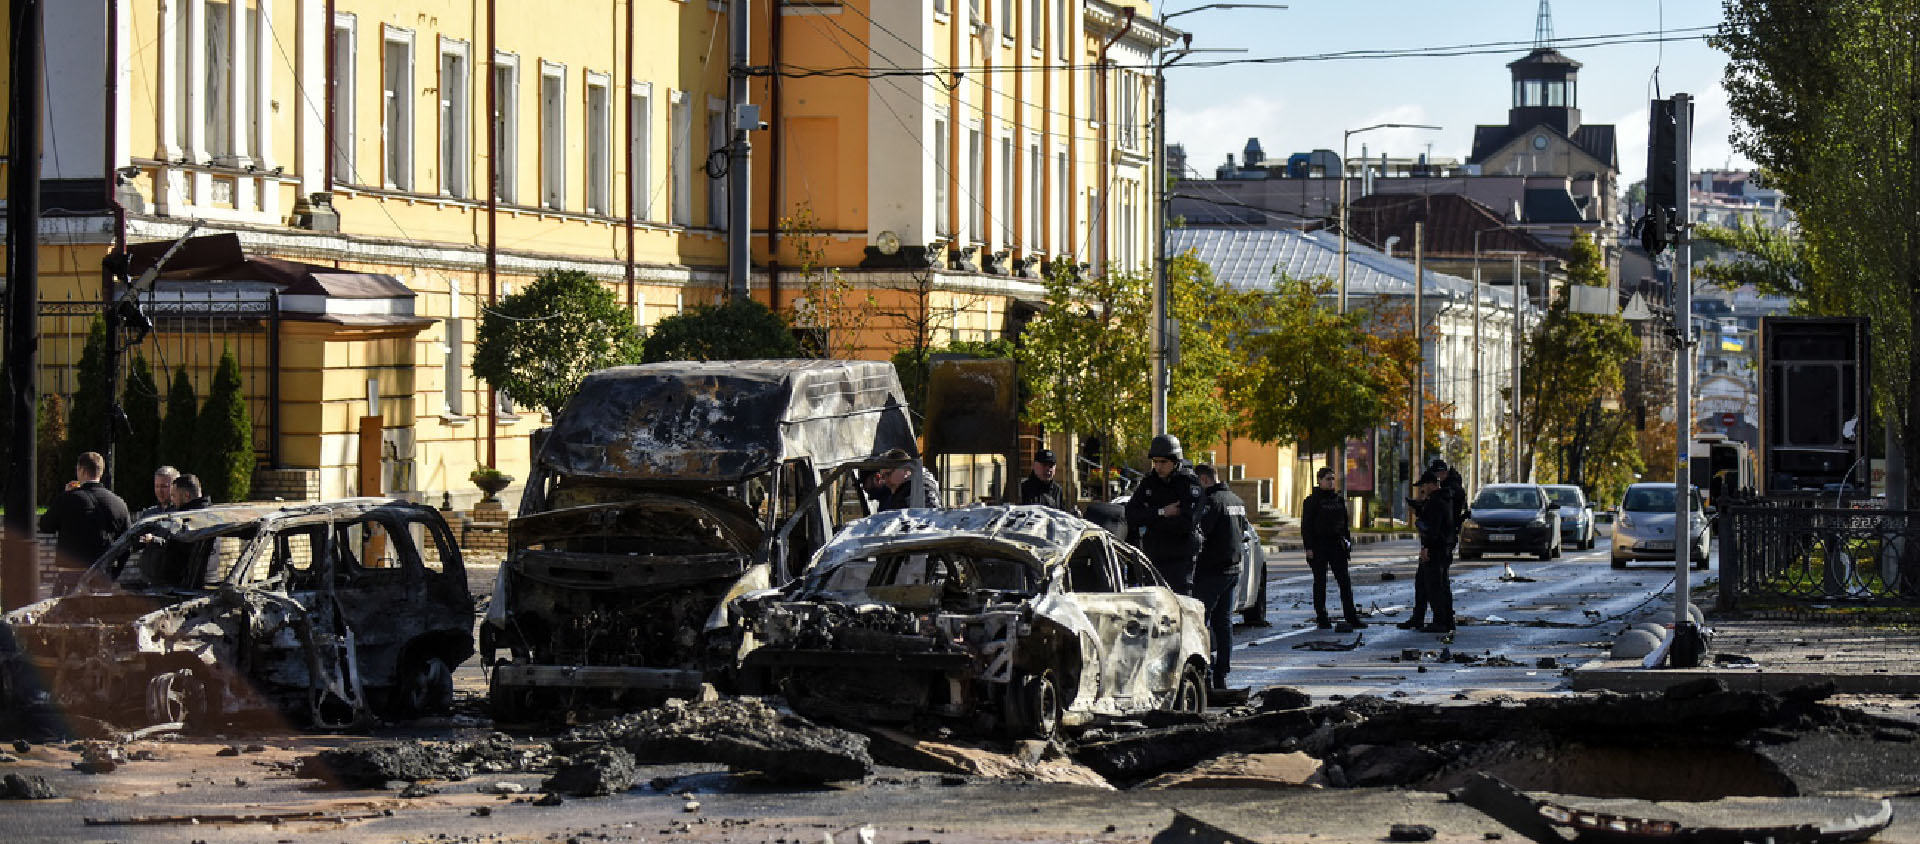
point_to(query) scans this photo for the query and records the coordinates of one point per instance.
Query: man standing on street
(1223, 523)
(898, 484)
(88, 517)
(1039, 487)
(1168, 505)
(1329, 541)
(1438, 530)
(187, 494)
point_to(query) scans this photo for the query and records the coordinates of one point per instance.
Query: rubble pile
(373, 766)
(745, 734)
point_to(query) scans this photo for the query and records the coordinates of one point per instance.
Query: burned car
(329, 613)
(662, 491)
(1024, 616)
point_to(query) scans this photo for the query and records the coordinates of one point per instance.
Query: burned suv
(1028, 616)
(329, 612)
(662, 491)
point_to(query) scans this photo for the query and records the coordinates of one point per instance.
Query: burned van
(661, 491)
(329, 613)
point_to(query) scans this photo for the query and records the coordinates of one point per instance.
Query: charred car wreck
(662, 491)
(1023, 617)
(330, 612)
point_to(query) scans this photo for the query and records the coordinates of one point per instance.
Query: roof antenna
(1543, 26)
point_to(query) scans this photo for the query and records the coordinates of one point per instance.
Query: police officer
(1167, 505)
(1328, 540)
(1435, 515)
(1039, 487)
(1216, 576)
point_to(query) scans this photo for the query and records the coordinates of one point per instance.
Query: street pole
(1683, 422)
(739, 160)
(1419, 428)
(19, 575)
(1519, 336)
(1473, 476)
(1162, 378)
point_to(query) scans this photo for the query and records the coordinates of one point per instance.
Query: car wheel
(181, 696)
(1033, 706)
(1619, 562)
(1257, 615)
(1546, 552)
(1191, 696)
(1469, 555)
(426, 685)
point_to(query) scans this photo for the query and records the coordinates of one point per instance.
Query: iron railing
(1779, 551)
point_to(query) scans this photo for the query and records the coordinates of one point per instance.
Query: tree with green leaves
(53, 468)
(223, 455)
(538, 343)
(1083, 361)
(1826, 98)
(1572, 364)
(1217, 324)
(741, 329)
(139, 451)
(1320, 378)
(829, 311)
(1774, 261)
(178, 429)
(87, 413)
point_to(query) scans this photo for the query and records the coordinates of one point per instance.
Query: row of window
(1007, 196)
(397, 122)
(1035, 24)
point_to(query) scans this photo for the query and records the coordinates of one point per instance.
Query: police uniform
(1216, 579)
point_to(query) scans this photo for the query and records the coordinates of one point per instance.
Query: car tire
(1256, 616)
(1469, 555)
(1033, 706)
(425, 685)
(1190, 697)
(182, 696)
(1619, 562)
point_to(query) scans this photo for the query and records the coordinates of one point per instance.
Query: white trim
(397, 118)
(506, 162)
(680, 155)
(344, 123)
(313, 39)
(717, 137)
(455, 119)
(553, 137)
(598, 148)
(639, 149)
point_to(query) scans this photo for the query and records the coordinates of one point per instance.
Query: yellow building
(378, 172)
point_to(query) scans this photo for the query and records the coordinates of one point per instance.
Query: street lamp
(1343, 201)
(1162, 315)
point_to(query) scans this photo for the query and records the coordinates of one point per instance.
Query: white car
(1644, 529)
(1576, 515)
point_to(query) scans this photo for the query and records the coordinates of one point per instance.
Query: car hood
(1572, 512)
(1504, 517)
(1647, 522)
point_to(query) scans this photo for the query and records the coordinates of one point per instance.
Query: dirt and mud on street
(1281, 768)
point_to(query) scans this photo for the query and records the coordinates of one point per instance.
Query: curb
(1597, 676)
(1362, 539)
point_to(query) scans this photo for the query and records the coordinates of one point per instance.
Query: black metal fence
(1796, 553)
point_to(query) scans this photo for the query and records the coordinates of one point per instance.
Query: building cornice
(1103, 19)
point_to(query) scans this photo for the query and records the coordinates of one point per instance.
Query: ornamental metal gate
(1819, 555)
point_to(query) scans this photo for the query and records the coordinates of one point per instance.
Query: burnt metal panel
(723, 421)
(973, 406)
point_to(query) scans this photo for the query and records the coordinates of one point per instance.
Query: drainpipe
(1106, 153)
(493, 210)
(776, 198)
(632, 292)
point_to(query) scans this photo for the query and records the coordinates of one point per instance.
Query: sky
(1307, 105)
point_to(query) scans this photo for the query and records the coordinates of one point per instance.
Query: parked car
(327, 612)
(1645, 530)
(1603, 522)
(1511, 519)
(1576, 515)
(1031, 617)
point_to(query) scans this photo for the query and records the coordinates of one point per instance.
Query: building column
(310, 138)
(263, 56)
(195, 87)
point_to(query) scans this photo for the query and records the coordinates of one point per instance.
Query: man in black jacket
(1216, 575)
(1168, 505)
(1328, 540)
(1439, 510)
(88, 517)
(1039, 487)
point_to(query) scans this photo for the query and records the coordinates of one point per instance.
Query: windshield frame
(1481, 502)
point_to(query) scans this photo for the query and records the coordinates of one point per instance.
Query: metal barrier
(1788, 551)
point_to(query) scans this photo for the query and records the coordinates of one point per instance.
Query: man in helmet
(1167, 506)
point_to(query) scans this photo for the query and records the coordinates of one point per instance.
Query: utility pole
(1162, 319)
(739, 161)
(1519, 337)
(20, 573)
(1680, 653)
(1473, 475)
(1418, 460)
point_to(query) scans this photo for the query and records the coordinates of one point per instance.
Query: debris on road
(1330, 644)
(1410, 832)
(1245, 770)
(594, 773)
(744, 733)
(1784, 820)
(17, 787)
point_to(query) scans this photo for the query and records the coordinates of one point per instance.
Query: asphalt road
(1568, 610)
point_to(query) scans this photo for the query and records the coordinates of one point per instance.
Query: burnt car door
(1123, 620)
(401, 587)
(1162, 656)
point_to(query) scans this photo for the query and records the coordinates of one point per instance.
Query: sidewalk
(1281, 534)
(1857, 659)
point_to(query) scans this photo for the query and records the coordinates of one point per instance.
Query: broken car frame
(326, 611)
(661, 492)
(1024, 617)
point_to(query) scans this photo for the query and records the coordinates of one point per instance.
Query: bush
(177, 430)
(537, 344)
(87, 414)
(738, 330)
(225, 457)
(52, 469)
(139, 452)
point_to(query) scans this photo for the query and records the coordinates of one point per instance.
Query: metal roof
(1253, 258)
